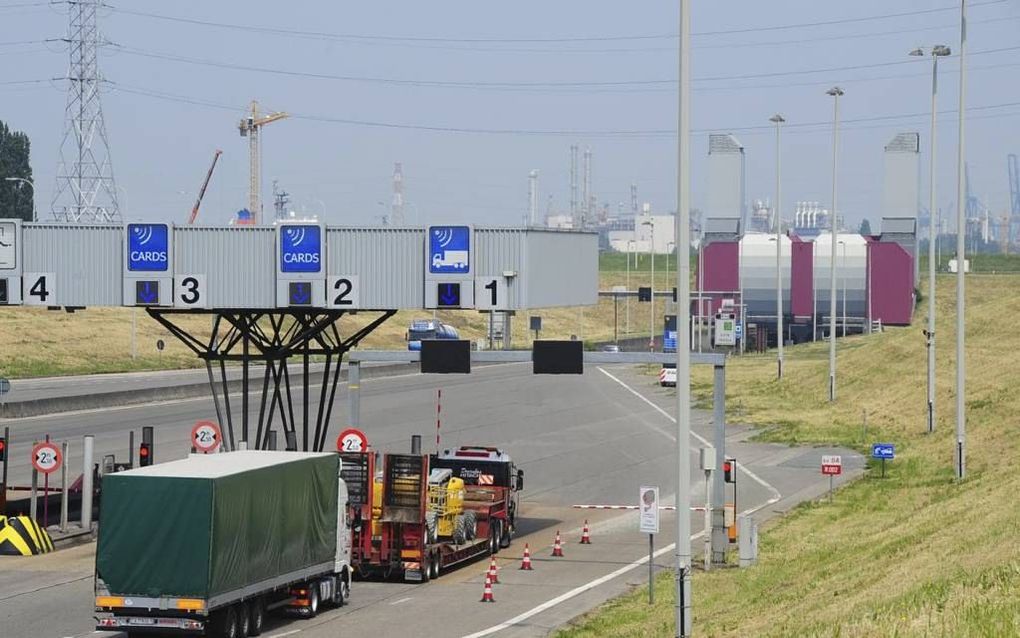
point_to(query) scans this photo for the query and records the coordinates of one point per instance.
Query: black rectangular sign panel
(3, 291)
(445, 356)
(558, 357)
(644, 293)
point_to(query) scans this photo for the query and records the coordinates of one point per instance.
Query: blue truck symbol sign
(301, 248)
(883, 451)
(450, 250)
(148, 247)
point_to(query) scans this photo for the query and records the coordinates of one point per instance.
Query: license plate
(142, 621)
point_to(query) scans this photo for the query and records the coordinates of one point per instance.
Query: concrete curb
(37, 407)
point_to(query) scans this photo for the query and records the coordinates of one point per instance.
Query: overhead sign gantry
(275, 293)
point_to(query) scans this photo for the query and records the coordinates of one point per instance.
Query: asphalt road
(591, 439)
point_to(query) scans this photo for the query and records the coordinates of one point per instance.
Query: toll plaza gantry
(278, 294)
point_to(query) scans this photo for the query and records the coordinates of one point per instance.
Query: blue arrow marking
(147, 292)
(450, 295)
(300, 293)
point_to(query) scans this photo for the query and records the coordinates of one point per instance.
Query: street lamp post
(835, 92)
(842, 277)
(25, 180)
(961, 227)
(630, 242)
(651, 313)
(937, 51)
(777, 119)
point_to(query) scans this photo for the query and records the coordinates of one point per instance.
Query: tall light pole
(651, 313)
(835, 92)
(778, 120)
(842, 277)
(683, 347)
(25, 180)
(937, 51)
(961, 231)
(630, 242)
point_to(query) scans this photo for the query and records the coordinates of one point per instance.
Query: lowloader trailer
(209, 544)
(424, 514)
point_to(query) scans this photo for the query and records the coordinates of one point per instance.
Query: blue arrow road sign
(883, 451)
(300, 248)
(450, 250)
(146, 292)
(148, 247)
(300, 293)
(449, 294)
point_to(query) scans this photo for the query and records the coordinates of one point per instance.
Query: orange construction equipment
(585, 535)
(526, 561)
(205, 184)
(487, 592)
(557, 546)
(493, 569)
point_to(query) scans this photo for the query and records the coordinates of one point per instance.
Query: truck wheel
(430, 528)
(313, 599)
(459, 530)
(506, 536)
(256, 617)
(436, 564)
(470, 525)
(426, 569)
(224, 623)
(243, 620)
(345, 589)
(494, 535)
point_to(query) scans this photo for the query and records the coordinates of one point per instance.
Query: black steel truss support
(270, 337)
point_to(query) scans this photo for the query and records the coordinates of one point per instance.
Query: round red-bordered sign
(206, 436)
(46, 457)
(352, 440)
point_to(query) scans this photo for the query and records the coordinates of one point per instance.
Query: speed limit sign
(46, 457)
(351, 440)
(206, 436)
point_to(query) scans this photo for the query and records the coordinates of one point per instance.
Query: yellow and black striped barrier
(21, 536)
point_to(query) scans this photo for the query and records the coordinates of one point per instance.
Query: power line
(567, 39)
(618, 133)
(511, 85)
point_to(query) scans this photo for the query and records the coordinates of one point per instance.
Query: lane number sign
(46, 457)
(491, 293)
(39, 289)
(343, 291)
(206, 436)
(189, 291)
(832, 465)
(351, 440)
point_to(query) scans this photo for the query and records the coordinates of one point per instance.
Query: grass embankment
(37, 342)
(916, 554)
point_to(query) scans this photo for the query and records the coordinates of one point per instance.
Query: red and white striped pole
(439, 409)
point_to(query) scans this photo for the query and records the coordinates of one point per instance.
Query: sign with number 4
(343, 292)
(190, 292)
(39, 289)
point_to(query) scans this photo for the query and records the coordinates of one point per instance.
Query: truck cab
(489, 476)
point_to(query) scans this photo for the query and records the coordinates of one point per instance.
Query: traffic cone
(557, 547)
(585, 536)
(526, 561)
(493, 576)
(487, 592)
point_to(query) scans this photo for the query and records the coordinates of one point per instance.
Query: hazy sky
(590, 70)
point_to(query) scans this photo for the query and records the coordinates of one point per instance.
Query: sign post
(832, 465)
(46, 458)
(883, 451)
(648, 502)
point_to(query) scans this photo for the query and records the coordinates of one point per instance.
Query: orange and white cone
(557, 546)
(487, 592)
(585, 535)
(493, 569)
(526, 561)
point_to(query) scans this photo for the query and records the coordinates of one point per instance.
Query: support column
(354, 393)
(88, 445)
(720, 541)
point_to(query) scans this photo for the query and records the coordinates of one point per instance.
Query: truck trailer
(424, 514)
(209, 544)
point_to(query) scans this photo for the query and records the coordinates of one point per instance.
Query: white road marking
(286, 633)
(402, 600)
(577, 591)
(740, 467)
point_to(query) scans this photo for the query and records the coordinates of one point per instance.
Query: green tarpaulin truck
(209, 544)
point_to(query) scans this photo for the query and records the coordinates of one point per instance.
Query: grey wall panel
(562, 269)
(389, 264)
(502, 250)
(239, 263)
(87, 262)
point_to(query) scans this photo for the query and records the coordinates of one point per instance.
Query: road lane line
(286, 633)
(577, 591)
(402, 600)
(740, 466)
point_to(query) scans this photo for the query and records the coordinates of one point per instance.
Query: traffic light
(3, 449)
(145, 455)
(729, 467)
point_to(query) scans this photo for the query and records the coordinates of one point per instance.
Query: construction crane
(249, 127)
(205, 184)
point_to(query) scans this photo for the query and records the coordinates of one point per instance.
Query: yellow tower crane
(249, 127)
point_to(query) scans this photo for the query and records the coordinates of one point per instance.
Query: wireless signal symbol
(143, 234)
(296, 236)
(444, 235)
